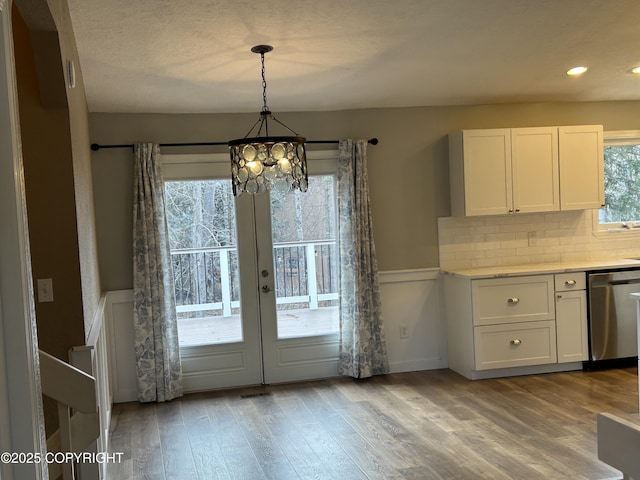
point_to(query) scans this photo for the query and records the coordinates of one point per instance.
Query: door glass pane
(304, 232)
(203, 239)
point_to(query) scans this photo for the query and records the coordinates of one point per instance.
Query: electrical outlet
(531, 237)
(404, 331)
(45, 290)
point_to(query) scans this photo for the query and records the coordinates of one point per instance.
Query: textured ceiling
(194, 56)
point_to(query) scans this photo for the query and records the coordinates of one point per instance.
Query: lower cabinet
(515, 345)
(515, 323)
(571, 317)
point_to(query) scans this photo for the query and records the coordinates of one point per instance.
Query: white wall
(411, 299)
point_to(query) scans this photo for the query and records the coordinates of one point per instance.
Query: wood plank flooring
(419, 425)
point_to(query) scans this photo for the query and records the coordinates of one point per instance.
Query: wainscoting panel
(413, 320)
(122, 361)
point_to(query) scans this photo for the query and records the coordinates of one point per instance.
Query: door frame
(177, 167)
(21, 412)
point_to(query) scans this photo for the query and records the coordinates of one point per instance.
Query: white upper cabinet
(581, 167)
(480, 170)
(520, 170)
(534, 160)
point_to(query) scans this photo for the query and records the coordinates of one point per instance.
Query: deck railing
(206, 279)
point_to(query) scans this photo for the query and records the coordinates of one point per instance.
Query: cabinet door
(581, 155)
(571, 326)
(534, 163)
(487, 172)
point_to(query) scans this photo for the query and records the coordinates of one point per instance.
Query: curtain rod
(95, 147)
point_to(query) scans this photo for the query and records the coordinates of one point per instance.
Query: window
(621, 182)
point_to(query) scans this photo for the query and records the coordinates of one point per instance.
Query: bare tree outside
(203, 240)
(622, 184)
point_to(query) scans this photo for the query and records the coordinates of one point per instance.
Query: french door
(256, 277)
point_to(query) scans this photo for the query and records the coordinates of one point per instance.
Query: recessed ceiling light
(635, 70)
(577, 70)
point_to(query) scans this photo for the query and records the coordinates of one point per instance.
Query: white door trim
(21, 419)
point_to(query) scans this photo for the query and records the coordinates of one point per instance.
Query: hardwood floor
(419, 425)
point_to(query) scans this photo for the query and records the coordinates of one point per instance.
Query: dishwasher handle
(604, 283)
(625, 282)
(614, 278)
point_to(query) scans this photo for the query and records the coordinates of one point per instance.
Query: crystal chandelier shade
(261, 163)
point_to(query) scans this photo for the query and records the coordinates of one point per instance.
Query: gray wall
(408, 170)
(54, 128)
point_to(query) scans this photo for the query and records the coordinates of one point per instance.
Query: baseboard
(418, 365)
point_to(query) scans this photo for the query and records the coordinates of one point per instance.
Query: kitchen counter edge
(543, 268)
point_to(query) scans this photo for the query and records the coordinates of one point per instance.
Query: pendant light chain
(265, 108)
(261, 163)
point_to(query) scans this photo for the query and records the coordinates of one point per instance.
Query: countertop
(541, 268)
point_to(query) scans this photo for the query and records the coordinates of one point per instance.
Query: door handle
(266, 289)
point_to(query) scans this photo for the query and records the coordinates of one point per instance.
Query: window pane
(621, 184)
(202, 235)
(304, 229)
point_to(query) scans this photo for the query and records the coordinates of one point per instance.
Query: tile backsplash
(471, 242)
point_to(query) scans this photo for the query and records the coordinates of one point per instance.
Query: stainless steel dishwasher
(612, 315)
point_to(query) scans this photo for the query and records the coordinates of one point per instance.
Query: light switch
(45, 290)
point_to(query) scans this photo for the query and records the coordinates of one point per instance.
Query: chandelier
(260, 163)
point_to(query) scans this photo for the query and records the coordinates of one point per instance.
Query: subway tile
(486, 246)
(529, 218)
(500, 252)
(501, 220)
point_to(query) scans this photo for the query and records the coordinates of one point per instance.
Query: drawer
(512, 299)
(566, 282)
(515, 345)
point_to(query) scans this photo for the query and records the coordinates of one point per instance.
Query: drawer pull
(570, 282)
(513, 300)
(515, 341)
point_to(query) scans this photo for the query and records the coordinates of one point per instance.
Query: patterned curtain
(156, 333)
(363, 350)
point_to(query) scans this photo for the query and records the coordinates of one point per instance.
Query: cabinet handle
(570, 282)
(559, 296)
(513, 300)
(517, 209)
(515, 341)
